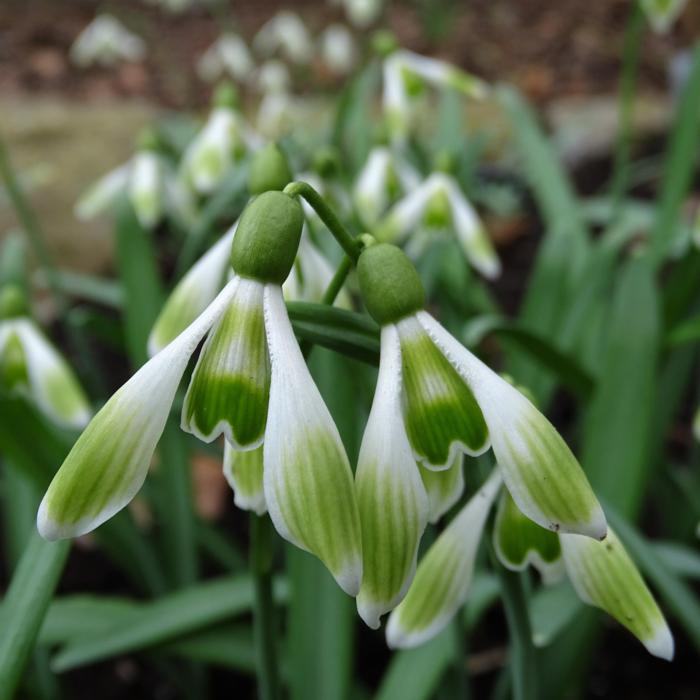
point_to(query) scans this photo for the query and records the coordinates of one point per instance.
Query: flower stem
(336, 284)
(345, 239)
(264, 612)
(523, 658)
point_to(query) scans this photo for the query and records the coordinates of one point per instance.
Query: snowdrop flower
(244, 474)
(251, 384)
(384, 177)
(286, 34)
(150, 183)
(439, 204)
(404, 73)
(105, 42)
(663, 13)
(228, 55)
(435, 400)
(31, 366)
(602, 573)
(361, 13)
(444, 576)
(273, 76)
(337, 49)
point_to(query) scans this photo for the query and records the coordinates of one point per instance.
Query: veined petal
(444, 575)
(110, 460)
(442, 416)
(604, 576)
(443, 74)
(244, 472)
(53, 384)
(543, 476)
(407, 214)
(444, 488)
(373, 186)
(230, 384)
(103, 193)
(394, 98)
(146, 188)
(192, 294)
(519, 541)
(393, 501)
(308, 482)
(471, 234)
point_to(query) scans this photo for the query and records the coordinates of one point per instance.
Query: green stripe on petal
(244, 472)
(519, 541)
(441, 413)
(53, 384)
(540, 471)
(110, 460)
(393, 502)
(230, 385)
(444, 575)
(604, 576)
(192, 294)
(13, 361)
(444, 488)
(307, 477)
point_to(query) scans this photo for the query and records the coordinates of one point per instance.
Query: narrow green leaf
(682, 560)
(167, 618)
(686, 332)
(96, 290)
(552, 608)
(25, 605)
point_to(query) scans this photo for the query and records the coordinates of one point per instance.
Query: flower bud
(269, 170)
(390, 285)
(267, 237)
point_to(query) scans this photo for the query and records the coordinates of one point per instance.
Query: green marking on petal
(230, 385)
(244, 472)
(519, 541)
(438, 211)
(63, 393)
(605, 576)
(13, 364)
(444, 487)
(439, 408)
(179, 311)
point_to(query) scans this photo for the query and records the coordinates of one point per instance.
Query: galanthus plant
(106, 42)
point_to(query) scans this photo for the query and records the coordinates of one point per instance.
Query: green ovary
(439, 408)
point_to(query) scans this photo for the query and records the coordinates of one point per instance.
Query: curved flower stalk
(251, 384)
(106, 42)
(662, 14)
(228, 56)
(385, 177)
(150, 183)
(223, 141)
(405, 73)
(31, 366)
(445, 573)
(602, 573)
(287, 35)
(337, 49)
(453, 403)
(438, 204)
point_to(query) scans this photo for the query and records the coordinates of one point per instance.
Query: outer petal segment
(543, 476)
(393, 502)
(307, 477)
(110, 460)
(604, 576)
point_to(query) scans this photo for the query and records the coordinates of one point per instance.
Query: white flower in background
(361, 13)
(150, 183)
(383, 179)
(337, 49)
(405, 73)
(438, 204)
(277, 111)
(219, 146)
(285, 34)
(273, 77)
(252, 385)
(228, 56)
(31, 366)
(435, 401)
(106, 42)
(662, 14)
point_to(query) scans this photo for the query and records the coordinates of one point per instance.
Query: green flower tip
(148, 140)
(226, 95)
(13, 302)
(267, 237)
(384, 42)
(269, 170)
(445, 162)
(326, 162)
(390, 285)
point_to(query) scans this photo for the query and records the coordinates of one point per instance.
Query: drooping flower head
(228, 56)
(251, 385)
(435, 400)
(663, 13)
(286, 34)
(337, 49)
(31, 366)
(105, 42)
